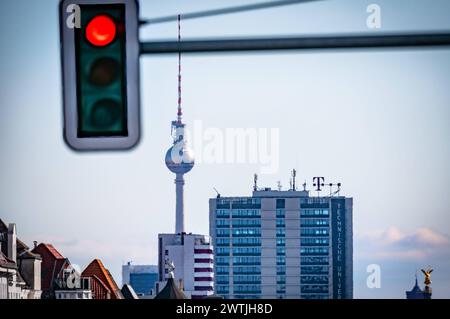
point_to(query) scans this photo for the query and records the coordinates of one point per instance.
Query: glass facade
(291, 239)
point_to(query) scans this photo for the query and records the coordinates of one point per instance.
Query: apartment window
(281, 241)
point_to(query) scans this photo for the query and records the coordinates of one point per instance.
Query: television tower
(179, 158)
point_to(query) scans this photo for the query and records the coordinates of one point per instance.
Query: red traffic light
(101, 30)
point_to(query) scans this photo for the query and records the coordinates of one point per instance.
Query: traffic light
(100, 62)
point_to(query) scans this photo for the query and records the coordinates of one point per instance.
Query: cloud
(392, 243)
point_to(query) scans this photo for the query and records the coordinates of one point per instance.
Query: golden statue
(427, 274)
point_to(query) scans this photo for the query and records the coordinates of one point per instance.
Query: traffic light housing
(100, 62)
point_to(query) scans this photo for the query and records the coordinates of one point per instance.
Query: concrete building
(141, 277)
(282, 244)
(192, 258)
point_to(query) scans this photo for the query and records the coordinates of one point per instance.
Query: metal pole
(298, 43)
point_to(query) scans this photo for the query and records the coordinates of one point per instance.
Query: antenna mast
(180, 111)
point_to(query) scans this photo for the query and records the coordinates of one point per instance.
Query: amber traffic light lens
(104, 71)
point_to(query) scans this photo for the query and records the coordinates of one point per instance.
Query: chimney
(12, 242)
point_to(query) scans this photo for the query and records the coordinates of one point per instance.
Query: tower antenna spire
(180, 110)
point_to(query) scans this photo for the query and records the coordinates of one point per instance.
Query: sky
(375, 120)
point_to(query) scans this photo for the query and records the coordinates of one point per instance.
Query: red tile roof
(96, 268)
(53, 251)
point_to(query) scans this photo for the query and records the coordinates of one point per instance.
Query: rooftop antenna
(304, 186)
(218, 194)
(290, 183)
(255, 182)
(279, 186)
(294, 175)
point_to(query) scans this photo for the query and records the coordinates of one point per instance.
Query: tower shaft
(179, 217)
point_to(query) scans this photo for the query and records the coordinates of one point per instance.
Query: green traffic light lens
(105, 114)
(104, 71)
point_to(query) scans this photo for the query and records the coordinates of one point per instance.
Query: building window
(246, 241)
(246, 260)
(222, 270)
(222, 279)
(281, 232)
(281, 270)
(281, 260)
(314, 251)
(222, 223)
(248, 279)
(246, 270)
(314, 260)
(223, 232)
(223, 241)
(311, 222)
(247, 222)
(281, 203)
(223, 260)
(246, 251)
(281, 241)
(250, 232)
(281, 213)
(315, 232)
(314, 212)
(223, 251)
(280, 222)
(281, 251)
(222, 213)
(314, 241)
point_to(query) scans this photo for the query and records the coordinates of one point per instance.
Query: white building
(20, 269)
(192, 257)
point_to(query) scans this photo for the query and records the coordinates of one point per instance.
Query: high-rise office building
(282, 244)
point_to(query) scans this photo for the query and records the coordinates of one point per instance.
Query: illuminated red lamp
(101, 31)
